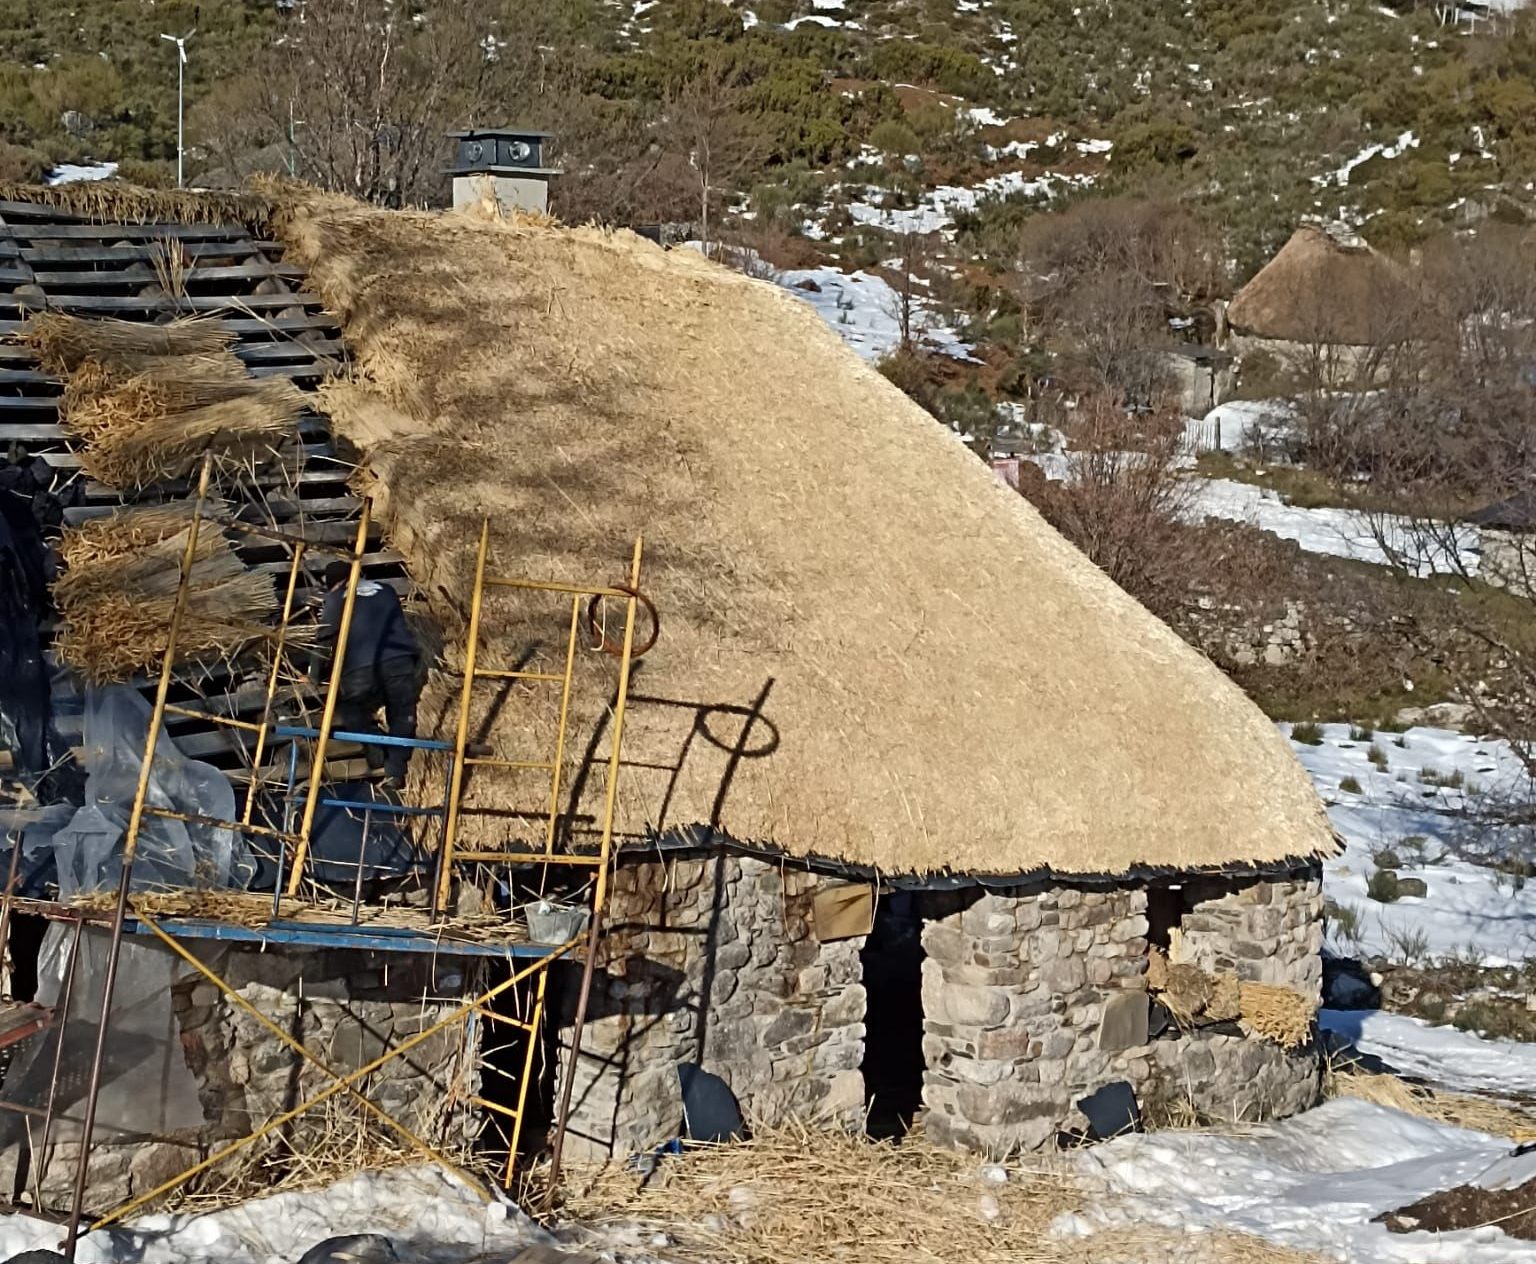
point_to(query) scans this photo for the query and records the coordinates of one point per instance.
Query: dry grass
(116, 606)
(871, 649)
(63, 342)
(1458, 1110)
(155, 424)
(792, 1195)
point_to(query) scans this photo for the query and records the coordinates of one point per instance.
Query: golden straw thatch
(111, 201)
(63, 343)
(1319, 292)
(115, 603)
(149, 426)
(871, 648)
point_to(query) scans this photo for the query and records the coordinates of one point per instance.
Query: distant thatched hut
(922, 808)
(1322, 297)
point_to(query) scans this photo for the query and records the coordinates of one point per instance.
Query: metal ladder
(465, 758)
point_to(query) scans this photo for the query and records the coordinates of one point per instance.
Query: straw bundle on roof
(63, 342)
(112, 201)
(116, 604)
(872, 650)
(147, 427)
(126, 531)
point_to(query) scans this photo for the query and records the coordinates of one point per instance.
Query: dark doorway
(893, 1043)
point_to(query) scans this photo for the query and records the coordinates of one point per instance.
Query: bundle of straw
(148, 427)
(125, 531)
(1280, 1013)
(116, 605)
(63, 343)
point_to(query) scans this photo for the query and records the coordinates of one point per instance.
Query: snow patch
(1335, 532)
(421, 1208)
(73, 173)
(863, 310)
(1408, 140)
(1443, 1056)
(1313, 1183)
(1470, 910)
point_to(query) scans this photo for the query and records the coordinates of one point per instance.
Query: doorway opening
(892, 958)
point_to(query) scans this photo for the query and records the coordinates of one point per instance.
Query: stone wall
(197, 1071)
(1035, 996)
(714, 961)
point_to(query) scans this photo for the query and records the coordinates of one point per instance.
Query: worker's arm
(325, 638)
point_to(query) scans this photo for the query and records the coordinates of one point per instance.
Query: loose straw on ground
(1458, 1110)
(793, 1194)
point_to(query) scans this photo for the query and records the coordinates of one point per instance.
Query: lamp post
(181, 81)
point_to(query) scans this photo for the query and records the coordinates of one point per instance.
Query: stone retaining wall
(1036, 996)
(714, 961)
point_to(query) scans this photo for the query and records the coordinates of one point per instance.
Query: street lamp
(181, 79)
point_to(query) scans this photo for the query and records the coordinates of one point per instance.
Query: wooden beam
(119, 232)
(156, 303)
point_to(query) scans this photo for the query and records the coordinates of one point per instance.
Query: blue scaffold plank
(360, 938)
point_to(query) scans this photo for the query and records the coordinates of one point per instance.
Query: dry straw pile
(115, 600)
(871, 648)
(792, 1194)
(1459, 1111)
(1195, 997)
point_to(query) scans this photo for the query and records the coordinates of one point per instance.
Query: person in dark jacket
(381, 668)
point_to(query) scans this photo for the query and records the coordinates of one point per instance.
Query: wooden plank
(9, 377)
(142, 273)
(15, 275)
(14, 404)
(193, 250)
(288, 349)
(322, 321)
(119, 232)
(114, 303)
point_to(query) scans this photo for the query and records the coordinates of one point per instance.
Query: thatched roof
(872, 650)
(1319, 291)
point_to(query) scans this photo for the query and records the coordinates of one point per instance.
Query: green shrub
(1377, 756)
(1349, 785)
(1382, 887)
(1307, 732)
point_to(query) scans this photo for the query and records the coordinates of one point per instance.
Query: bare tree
(706, 124)
(913, 251)
(1102, 277)
(1124, 501)
(358, 93)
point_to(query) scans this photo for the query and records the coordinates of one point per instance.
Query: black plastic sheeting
(26, 506)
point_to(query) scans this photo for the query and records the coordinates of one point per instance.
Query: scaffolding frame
(459, 756)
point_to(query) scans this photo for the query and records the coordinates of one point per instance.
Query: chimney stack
(509, 161)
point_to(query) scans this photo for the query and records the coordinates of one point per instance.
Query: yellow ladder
(464, 759)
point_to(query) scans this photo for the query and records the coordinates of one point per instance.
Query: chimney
(507, 160)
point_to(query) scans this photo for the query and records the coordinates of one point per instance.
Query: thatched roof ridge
(872, 649)
(1317, 290)
(114, 202)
